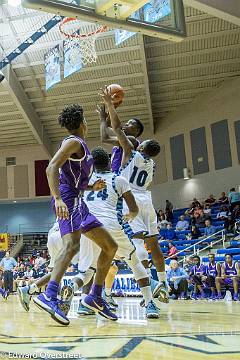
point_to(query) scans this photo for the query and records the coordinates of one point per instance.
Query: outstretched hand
(99, 185)
(106, 95)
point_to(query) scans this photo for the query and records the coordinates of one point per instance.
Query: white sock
(147, 294)
(33, 288)
(83, 296)
(108, 291)
(161, 276)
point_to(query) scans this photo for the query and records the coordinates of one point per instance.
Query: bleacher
(185, 245)
(235, 251)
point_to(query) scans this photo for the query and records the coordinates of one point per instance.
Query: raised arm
(69, 147)
(107, 134)
(124, 142)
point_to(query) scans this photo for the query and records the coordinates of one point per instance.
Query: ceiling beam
(13, 86)
(227, 10)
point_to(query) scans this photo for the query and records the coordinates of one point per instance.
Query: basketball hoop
(85, 34)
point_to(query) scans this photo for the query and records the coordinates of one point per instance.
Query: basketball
(117, 93)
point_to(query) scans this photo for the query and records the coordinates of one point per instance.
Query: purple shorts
(79, 216)
(228, 282)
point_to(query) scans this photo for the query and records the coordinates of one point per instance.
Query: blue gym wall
(32, 217)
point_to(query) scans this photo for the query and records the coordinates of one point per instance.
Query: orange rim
(65, 21)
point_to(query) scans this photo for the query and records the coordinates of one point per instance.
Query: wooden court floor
(186, 330)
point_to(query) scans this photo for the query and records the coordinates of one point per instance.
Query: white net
(83, 35)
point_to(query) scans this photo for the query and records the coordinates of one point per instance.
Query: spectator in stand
(172, 251)
(229, 223)
(35, 271)
(234, 198)
(192, 220)
(198, 275)
(236, 212)
(223, 199)
(209, 228)
(19, 276)
(177, 281)
(207, 210)
(41, 271)
(34, 253)
(162, 224)
(182, 224)
(210, 200)
(169, 233)
(159, 214)
(198, 210)
(188, 264)
(224, 213)
(28, 272)
(169, 209)
(201, 218)
(195, 203)
(39, 260)
(195, 233)
(8, 263)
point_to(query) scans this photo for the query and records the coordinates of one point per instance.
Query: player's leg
(54, 245)
(150, 220)
(143, 281)
(199, 285)
(127, 250)
(108, 246)
(218, 283)
(211, 283)
(83, 310)
(109, 283)
(25, 292)
(142, 255)
(235, 288)
(48, 300)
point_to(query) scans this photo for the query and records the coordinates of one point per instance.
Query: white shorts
(55, 245)
(146, 220)
(89, 251)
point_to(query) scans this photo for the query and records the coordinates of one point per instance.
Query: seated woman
(195, 233)
(172, 251)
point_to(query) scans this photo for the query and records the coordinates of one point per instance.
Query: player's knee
(71, 248)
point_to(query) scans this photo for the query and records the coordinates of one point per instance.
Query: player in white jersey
(138, 168)
(107, 204)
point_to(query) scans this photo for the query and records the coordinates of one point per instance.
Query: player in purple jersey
(198, 276)
(68, 176)
(230, 275)
(133, 129)
(213, 270)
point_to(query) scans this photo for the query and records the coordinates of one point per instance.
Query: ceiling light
(14, 2)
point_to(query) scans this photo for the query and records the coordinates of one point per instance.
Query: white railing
(210, 245)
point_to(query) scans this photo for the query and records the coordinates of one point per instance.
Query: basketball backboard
(158, 18)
